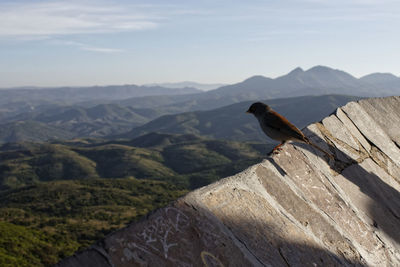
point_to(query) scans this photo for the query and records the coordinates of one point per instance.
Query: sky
(76, 43)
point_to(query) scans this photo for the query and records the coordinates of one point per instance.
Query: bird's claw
(276, 151)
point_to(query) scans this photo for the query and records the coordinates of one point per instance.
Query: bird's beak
(248, 111)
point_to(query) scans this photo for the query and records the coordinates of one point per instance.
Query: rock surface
(296, 208)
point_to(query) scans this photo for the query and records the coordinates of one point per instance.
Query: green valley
(56, 198)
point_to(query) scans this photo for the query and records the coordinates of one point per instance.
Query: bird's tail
(320, 149)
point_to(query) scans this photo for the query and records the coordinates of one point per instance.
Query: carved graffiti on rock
(210, 260)
(156, 239)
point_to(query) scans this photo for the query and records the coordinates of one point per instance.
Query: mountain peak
(296, 71)
(320, 69)
(256, 78)
(379, 77)
(328, 73)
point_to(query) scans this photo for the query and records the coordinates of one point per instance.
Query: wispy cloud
(86, 47)
(270, 35)
(63, 18)
(101, 49)
(351, 2)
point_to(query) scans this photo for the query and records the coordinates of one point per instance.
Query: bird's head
(258, 109)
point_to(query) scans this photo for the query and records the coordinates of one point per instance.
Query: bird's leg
(278, 147)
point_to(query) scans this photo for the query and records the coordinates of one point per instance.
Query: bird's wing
(277, 121)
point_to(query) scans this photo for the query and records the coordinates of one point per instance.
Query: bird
(278, 128)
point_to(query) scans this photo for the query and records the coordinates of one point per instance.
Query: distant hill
(383, 80)
(378, 78)
(188, 160)
(200, 86)
(25, 104)
(73, 95)
(31, 131)
(231, 122)
(96, 121)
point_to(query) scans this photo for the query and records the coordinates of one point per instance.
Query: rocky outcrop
(296, 208)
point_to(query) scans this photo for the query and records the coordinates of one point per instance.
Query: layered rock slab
(296, 208)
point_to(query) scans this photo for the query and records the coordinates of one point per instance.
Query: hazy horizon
(165, 84)
(84, 43)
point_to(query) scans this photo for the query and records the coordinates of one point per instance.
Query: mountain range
(117, 121)
(113, 110)
(232, 123)
(319, 80)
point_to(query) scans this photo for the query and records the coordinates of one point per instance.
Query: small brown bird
(278, 127)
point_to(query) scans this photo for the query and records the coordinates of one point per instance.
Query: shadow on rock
(383, 200)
